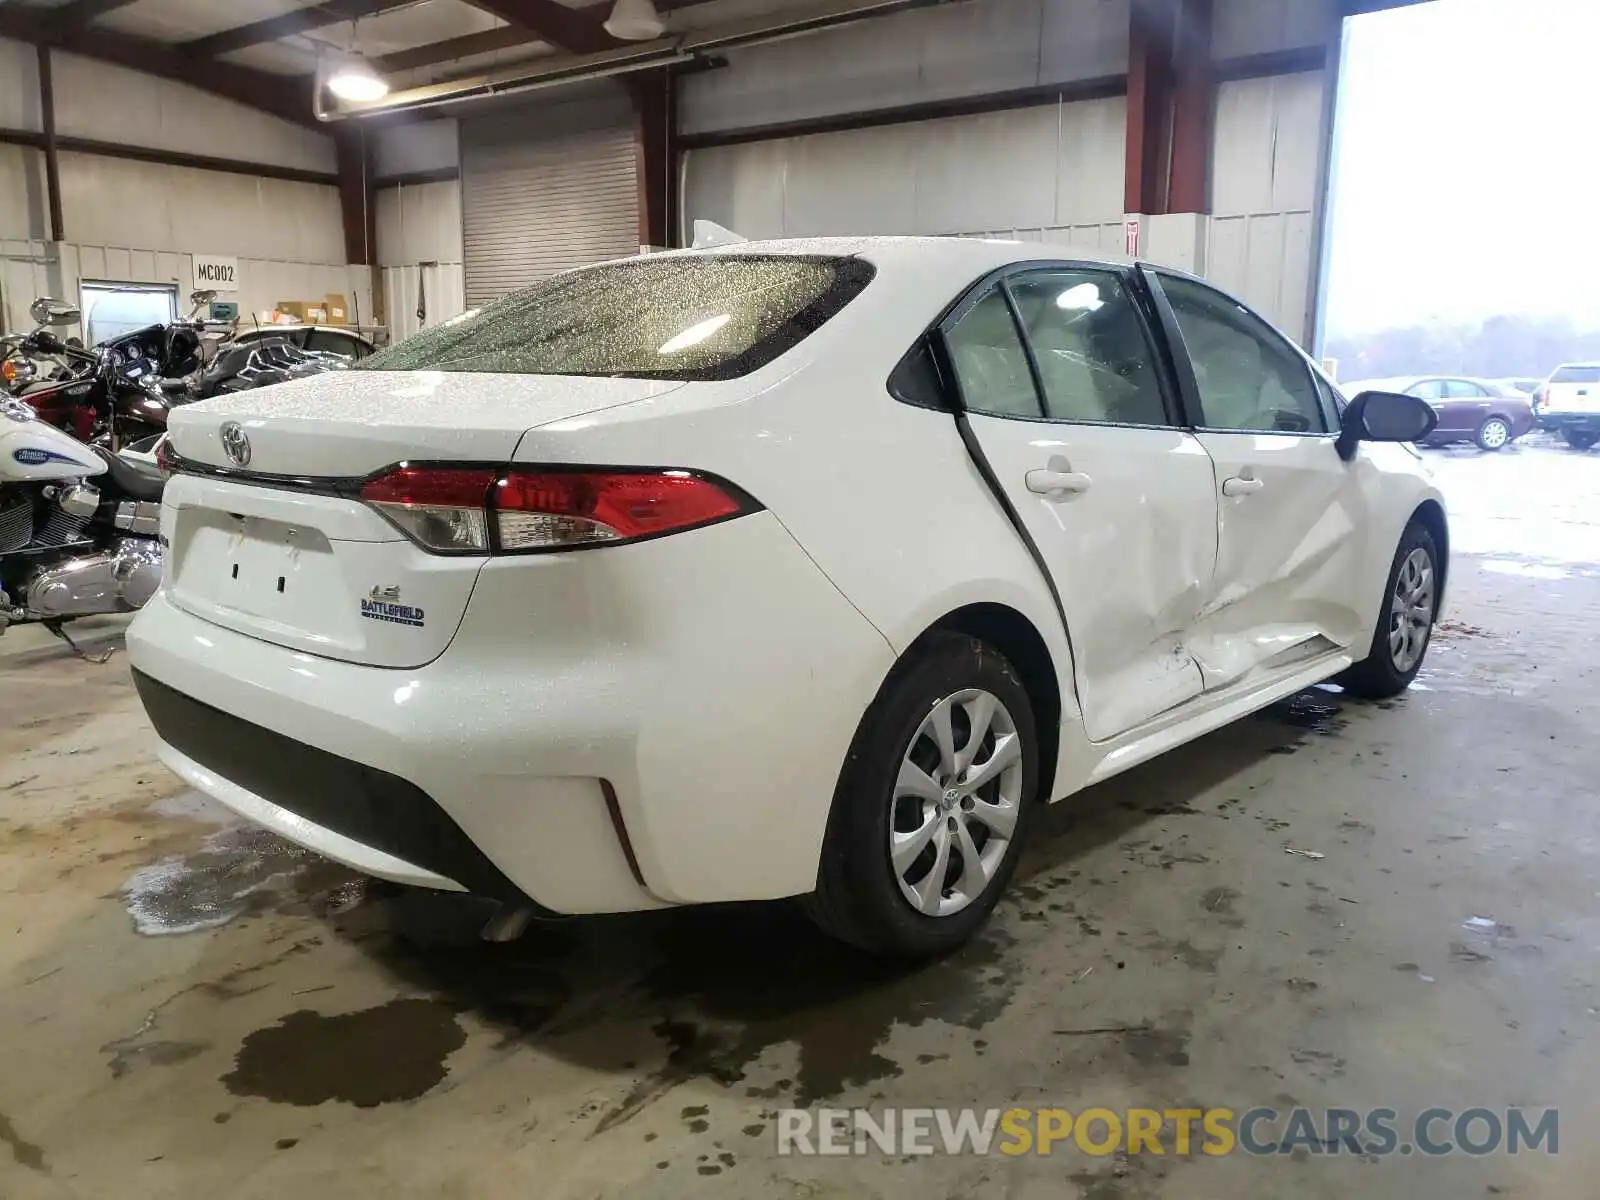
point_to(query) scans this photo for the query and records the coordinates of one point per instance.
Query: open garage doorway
(1461, 260)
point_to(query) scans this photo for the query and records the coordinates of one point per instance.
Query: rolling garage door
(545, 189)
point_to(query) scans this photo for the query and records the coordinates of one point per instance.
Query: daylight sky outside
(1468, 168)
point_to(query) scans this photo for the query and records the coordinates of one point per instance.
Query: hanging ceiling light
(635, 21)
(354, 79)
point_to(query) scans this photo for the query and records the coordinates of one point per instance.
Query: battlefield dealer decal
(382, 605)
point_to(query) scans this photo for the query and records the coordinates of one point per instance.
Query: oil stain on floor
(393, 1052)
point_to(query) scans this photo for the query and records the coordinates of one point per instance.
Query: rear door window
(1462, 389)
(1095, 363)
(685, 317)
(990, 364)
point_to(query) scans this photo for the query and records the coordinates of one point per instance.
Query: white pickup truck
(1568, 403)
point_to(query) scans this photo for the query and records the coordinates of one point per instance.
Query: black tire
(1493, 435)
(1579, 440)
(858, 898)
(1377, 677)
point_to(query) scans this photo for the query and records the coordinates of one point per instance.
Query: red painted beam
(1149, 126)
(1171, 98)
(1194, 95)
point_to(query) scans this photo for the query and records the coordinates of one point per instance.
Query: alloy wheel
(1411, 610)
(955, 803)
(1494, 434)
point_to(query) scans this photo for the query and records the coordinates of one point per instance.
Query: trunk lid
(298, 560)
(346, 424)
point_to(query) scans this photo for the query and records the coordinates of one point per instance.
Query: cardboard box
(317, 314)
(338, 309)
(295, 308)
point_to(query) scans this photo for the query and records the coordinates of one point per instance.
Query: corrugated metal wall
(421, 224)
(1266, 185)
(140, 222)
(542, 192)
(910, 58)
(1045, 169)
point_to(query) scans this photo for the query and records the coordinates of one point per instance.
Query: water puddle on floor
(237, 869)
(381, 1055)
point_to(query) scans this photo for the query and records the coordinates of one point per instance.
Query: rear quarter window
(683, 317)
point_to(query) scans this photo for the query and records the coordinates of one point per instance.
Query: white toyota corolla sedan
(786, 569)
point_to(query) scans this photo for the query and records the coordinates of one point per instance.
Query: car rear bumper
(616, 729)
(1578, 422)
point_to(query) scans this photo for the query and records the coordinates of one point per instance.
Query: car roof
(956, 253)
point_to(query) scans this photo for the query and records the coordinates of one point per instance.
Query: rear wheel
(932, 805)
(1493, 434)
(1405, 620)
(1579, 440)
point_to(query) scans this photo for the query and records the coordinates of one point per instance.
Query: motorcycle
(240, 366)
(122, 389)
(79, 526)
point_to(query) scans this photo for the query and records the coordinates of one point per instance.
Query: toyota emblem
(235, 444)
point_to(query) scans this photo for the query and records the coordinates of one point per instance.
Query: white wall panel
(446, 295)
(22, 193)
(1266, 147)
(1047, 167)
(19, 86)
(910, 58)
(1241, 27)
(37, 268)
(110, 104)
(1265, 192)
(422, 146)
(116, 202)
(420, 223)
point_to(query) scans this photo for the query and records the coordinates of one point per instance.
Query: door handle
(1058, 484)
(1241, 485)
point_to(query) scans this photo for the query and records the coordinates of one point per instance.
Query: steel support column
(655, 109)
(52, 159)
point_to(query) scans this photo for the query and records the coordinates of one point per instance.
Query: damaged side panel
(1130, 541)
(1289, 581)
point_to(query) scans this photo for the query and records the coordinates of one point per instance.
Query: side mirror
(1384, 417)
(46, 311)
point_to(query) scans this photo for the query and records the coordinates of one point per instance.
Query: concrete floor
(190, 1008)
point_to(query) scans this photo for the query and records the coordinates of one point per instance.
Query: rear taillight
(442, 509)
(1539, 394)
(166, 460)
(470, 510)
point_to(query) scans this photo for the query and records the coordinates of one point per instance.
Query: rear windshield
(700, 317)
(1576, 375)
